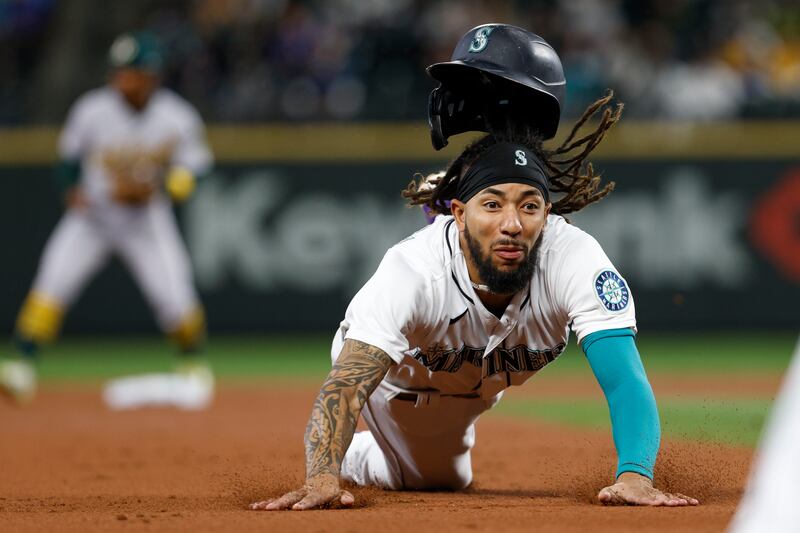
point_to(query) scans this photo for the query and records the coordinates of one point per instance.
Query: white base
(190, 392)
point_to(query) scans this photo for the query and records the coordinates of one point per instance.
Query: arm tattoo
(357, 372)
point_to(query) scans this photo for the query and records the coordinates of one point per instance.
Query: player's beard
(500, 281)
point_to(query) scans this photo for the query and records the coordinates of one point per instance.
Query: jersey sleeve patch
(612, 291)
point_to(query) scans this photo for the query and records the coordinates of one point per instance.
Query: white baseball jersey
(420, 308)
(103, 130)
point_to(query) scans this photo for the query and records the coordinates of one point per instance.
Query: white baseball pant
(147, 241)
(416, 440)
(770, 502)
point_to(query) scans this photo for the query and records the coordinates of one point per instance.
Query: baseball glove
(136, 174)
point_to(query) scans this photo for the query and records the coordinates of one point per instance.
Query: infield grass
(728, 421)
(304, 360)
(308, 356)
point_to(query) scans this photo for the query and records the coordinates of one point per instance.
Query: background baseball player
(122, 146)
(474, 303)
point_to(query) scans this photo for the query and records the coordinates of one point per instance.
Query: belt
(413, 396)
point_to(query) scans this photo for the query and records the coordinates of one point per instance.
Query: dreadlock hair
(568, 171)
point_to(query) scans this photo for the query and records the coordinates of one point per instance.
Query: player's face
(501, 226)
(135, 85)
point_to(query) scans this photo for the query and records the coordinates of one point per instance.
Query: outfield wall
(704, 223)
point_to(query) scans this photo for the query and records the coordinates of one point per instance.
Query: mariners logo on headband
(612, 290)
(503, 162)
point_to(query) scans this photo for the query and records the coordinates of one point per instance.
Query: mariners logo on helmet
(480, 40)
(612, 290)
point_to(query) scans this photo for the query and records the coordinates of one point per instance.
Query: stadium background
(316, 116)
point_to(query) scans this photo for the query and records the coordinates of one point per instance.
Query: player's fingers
(675, 500)
(668, 500)
(655, 498)
(285, 501)
(344, 500)
(259, 506)
(314, 500)
(615, 496)
(689, 499)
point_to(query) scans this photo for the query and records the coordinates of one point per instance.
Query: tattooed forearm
(357, 372)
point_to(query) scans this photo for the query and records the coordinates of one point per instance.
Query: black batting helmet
(498, 74)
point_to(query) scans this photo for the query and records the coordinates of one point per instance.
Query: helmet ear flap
(451, 111)
(477, 101)
(435, 107)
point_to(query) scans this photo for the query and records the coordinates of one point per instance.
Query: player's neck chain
(479, 287)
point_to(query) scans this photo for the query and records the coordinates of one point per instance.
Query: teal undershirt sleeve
(67, 172)
(616, 364)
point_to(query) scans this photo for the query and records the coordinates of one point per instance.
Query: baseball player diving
(483, 297)
(125, 151)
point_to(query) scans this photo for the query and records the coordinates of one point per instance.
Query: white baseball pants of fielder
(770, 504)
(145, 238)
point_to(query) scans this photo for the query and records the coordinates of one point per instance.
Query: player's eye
(530, 206)
(491, 204)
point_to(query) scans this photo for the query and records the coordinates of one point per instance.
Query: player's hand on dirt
(635, 489)
(319, 492)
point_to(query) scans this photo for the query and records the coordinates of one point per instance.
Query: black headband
(503, 163)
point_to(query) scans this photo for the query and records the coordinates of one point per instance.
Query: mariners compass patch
(612, 290)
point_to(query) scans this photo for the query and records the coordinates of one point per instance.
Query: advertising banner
(280, 247)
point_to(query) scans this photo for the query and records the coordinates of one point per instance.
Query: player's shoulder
(560, 234)
(168, 101)
(562, 238)
(423, 251)
(96, 100)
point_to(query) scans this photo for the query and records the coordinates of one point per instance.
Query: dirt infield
(69, 464)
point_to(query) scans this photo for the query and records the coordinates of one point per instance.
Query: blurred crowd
(261, 60)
